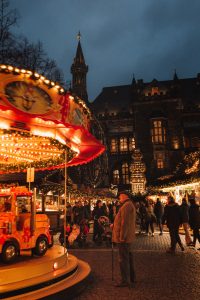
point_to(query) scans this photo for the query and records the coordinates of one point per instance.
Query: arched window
(158, 132)
(116, 177)
(125, 173)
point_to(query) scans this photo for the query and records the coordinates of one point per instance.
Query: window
(123, 144)
(158, 132)
(131, 144)
(160, 163)
(125, 173)
(195, 142)
(175, 142)
(116, 177)
(113, 145)
(160, 160)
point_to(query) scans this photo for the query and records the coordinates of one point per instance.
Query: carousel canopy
(38, 121)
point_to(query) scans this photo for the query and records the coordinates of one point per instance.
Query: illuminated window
(125, 173)
(131, 144)
(158, 132)
(154, 91)
(160, 163)
(123, 144)
(113, 145)
(195, 142)
(160, 160)
(175, 142)
(116, 177)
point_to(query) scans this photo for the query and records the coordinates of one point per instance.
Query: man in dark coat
(158, 211)
(172, 218)
(97, 213)
(194, 220)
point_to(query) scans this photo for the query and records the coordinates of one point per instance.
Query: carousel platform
(52, 276)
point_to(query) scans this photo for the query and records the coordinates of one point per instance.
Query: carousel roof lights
(10, 68)
(36, 75)
(32, 105)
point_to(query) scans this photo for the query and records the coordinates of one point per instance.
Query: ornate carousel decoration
(38, 121)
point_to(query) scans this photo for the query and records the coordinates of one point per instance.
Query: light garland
(17, 149)
(32, 75)
(50, 84)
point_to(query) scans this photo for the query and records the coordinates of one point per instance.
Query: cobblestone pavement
(160, 276)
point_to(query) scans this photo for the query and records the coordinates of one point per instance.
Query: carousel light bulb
(36, 75)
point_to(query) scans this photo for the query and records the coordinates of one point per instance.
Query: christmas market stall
(185, 180)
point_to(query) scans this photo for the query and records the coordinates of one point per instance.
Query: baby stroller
(75, 233)
(84, 230)
(106, 232)
(72, 232)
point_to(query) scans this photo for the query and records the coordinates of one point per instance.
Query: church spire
(79, 71)
(175, 76)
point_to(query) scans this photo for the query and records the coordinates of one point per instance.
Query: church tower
(79, 71)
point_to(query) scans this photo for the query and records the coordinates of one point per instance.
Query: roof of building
(118, 98)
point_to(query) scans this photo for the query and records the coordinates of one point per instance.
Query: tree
(8, 19)
(19, 52)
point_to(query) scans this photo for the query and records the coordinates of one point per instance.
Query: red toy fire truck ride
(20, 227)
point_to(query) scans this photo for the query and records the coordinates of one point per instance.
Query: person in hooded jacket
(172, 217)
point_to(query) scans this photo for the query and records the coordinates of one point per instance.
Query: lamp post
(65, 200)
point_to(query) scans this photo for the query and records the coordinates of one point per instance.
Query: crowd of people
(149, 215)
(124, 216)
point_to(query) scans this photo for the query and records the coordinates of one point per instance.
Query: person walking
(184, 208)
(159, 211)
(150, 219)
(172, 218)
(123, 235)
(97, 213)
(194, 220)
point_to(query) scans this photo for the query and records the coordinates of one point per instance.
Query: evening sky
(149, 38)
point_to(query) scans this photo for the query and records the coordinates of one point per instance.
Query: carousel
(42, 127)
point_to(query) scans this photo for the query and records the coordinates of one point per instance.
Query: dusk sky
(149, 38)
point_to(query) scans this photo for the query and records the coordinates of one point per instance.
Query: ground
(160, 276)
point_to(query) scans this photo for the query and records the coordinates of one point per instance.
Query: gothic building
(160, 118)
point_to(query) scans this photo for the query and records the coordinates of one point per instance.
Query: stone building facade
(160, 118)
